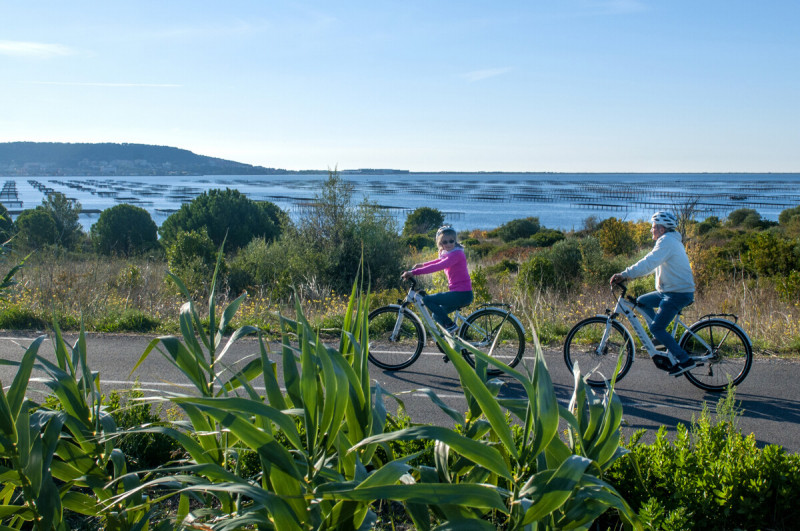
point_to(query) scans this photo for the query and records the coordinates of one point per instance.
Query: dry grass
(95, 287)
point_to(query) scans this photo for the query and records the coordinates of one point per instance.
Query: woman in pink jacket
(453, 262)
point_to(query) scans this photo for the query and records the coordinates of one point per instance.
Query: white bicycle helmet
(665, 219)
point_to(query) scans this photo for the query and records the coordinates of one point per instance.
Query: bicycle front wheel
(396, 337)
(495, 332)
(598, 363)
(731, 355)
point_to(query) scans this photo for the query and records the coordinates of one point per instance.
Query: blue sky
(557, 85)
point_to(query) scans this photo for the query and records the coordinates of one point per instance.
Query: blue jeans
(668, 304)
(441, 304)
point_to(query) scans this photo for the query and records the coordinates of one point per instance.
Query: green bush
(418, 241)
(516, 229)
(423, 220)
(566, 258)
(707, 225)
(130, 320)
(15, 317)
(596, 266)
(225, 215)
(35, 228)
(617, 237)
(537, 273)
(124, 230)
(770, 254)
(711, 477)
(192, 256)
(547, 237)
(142, 449)
(504, 266)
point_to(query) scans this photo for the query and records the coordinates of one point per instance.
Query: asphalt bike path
(769, 397)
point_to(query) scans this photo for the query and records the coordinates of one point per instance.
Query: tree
(517, 229)
(6, 225)
(36, 228)
(222, 212)
(65, 213)
(743, 217)
(422, 220)
(124, 229)
(789, 221)
(616, 237)
(326, 247)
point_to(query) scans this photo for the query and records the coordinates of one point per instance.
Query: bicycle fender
(706, 320)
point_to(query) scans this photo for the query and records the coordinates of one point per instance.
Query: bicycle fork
(601, 347)
(397, 324)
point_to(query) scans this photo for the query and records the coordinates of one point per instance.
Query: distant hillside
(54, 158)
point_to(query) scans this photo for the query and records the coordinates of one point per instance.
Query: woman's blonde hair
(446, 229)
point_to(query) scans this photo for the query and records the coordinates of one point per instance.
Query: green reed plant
(302, 471)
(62, 458)
(541, 482)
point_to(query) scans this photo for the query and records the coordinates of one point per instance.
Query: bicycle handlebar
(622, 285)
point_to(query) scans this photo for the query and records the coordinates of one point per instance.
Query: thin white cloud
(33, 49)
(480, 75)
(97, 84)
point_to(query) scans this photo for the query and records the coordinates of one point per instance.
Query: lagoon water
(468, 200)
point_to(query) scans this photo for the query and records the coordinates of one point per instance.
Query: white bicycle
(397, 334)
(720, 348)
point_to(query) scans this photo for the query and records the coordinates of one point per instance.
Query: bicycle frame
(630, 309)
(416, 297)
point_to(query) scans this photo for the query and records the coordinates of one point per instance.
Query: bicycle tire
(596, 367)
(732, 354)
(394, 354)
(481, 328)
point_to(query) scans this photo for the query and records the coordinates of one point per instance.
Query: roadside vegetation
(114, 277)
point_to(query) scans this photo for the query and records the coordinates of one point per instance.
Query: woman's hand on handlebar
(407, 275)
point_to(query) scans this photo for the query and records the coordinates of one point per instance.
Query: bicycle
(397, 335)
(720, 348)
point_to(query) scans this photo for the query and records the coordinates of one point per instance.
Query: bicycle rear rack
(495, 304)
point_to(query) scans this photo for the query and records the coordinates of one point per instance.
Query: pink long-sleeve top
(454, 265)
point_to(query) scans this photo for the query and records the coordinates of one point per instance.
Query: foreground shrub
(711, 478)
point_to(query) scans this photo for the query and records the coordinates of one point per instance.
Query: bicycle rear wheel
(396, 337)
(731, 354)
(582, 346)
(483, 326)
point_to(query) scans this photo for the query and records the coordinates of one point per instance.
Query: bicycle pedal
(445, 359)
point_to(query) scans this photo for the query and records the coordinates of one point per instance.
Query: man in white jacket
(674, 285)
